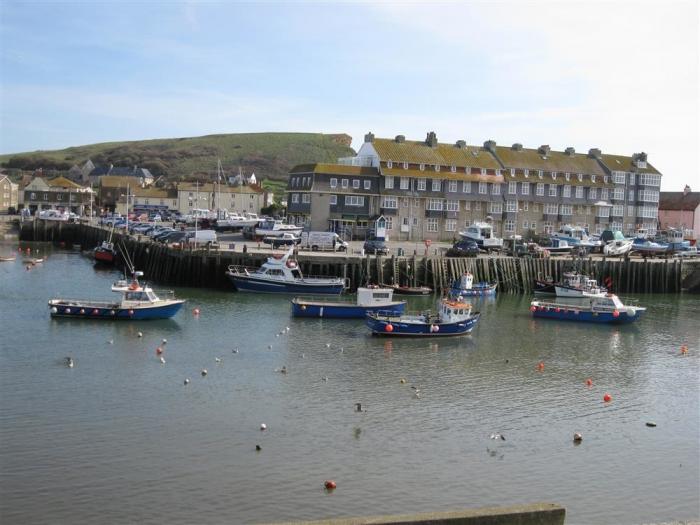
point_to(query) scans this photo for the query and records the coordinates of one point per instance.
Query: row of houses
(432, 190)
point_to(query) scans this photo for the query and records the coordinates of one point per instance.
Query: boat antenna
(127, 259)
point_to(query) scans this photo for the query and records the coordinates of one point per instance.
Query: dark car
(463, 248)
(173, 237)
(375, 247)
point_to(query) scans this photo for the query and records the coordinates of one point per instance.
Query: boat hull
(587, 316)
(476, 290)
(88, 310)
(329, 310)
(249, 283)
(568, 291)
(544, 287)
(104, 256)
(399, 328)
(409, 290)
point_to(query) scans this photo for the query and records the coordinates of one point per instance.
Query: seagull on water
(498, 436)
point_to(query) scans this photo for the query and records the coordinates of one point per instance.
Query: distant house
(145, 176)
(681, 210)
(241, 199)
(112, 187)
(57, 194)
(8, 194)
(148, 200)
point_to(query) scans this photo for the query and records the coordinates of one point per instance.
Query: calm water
(120, 439)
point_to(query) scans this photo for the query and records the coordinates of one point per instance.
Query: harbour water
(119, 438)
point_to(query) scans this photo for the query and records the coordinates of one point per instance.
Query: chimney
(461, 144)
(686, 190)
(431, 139)
(490, 145)
(570, 151)
(544, 149)
(595, 153)
(400, 139)
(517, 147)
(369, 137)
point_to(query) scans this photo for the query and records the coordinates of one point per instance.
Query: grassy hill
(268, 155)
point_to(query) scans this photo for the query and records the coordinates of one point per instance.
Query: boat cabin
(608, 302)
(454, 311)
(143, 295)
(372, 296)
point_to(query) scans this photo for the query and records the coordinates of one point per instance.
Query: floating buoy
(139, 334)
(269, 347)
(325, 378)
(112, 312)
(328, 345)
(187, 381)
(217, 359)
(402, 380)
(162, 360)
(358, 407)
(533, 308)
(589, 382)
(95, 311)
(111, 341)
(69, 362)
(164, 341)
(651, 424)
(159, 350)
(54, 310)
(195, 311)
(540, 366)
(389, 328)
(557, 309)
(684, 349)
(578, 437)
(204, 372)
(616, 313)
(303, 307)
(263, 426)
(258, 448)
(82, 310)
(607, 397)
(329, 484)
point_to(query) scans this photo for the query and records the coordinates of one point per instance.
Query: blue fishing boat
(455, 317)
(280, 274)
(465, 286)
(138, 302)
(595, 309)
(368, 300)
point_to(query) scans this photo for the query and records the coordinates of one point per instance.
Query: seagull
(283, 370)
(498, 436)
(139, 334)
(269, 347)
(303, 356)
(217, 359)
(162, 360)
(325, 378)
(263, 426)
(165, 341)
(111, 341)
(234, 351)
(69, 362)
(187, 381)
(258, 448)
(328, 345)
(358, 407)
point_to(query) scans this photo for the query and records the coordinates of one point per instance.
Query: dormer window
(453, 169)
(483, 171)
(421, 167)
(526, 172)
(437, 167)
(567, 176)
(512, 172)
(540, 173)
(389, 164)
(554, 175)
(605, 179)
(405, 165)
(580, 177)
(592, 178)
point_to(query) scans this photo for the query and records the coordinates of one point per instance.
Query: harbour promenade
(206, 267)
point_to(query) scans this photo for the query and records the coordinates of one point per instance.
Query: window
(512, 206)
(368, 184)
(552, 190)
(46, 196)
(619, 194)
(421, 167)
(592, 193)
(540, 189)
(477, 206)
(405, 201)
(450, 225)
(631, 176)
(434, 204)
(551, 208)
(603, 211)
(32, 196)
(421, 184)
(604, 193)
(483, 187)
(306, 198)
(526, 225)
(547, 226)
(554, 175)
(618, 210)
(495, 189)
(354, 200)
(525, 206)
(344, 184)
(567, 190)
(416, 203)
(389, 201)
(512, 172)
(355, 184)
(467, 187)
(495, 207)
(483, 171)
(405, 183)
(405, 165)
(295, 198)
(567, 176)
(333, 200)
(512, 187)
(437, 167)
(566, 209)
(647, 212)
(467, 205)
(648, 196)
(618, 177)
(452, 186)
(525, 188)
(389, 164)
(389, 223)
(452, 205)
(453, 169)
(436, 185)
(540, 173)
(579, 192)
(432, 224)
(509, 226)
(59, 197)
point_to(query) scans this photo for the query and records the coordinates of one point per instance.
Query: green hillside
(268, 155)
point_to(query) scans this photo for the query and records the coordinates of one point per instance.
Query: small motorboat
(280, 274)
(648, 248)
(616, 245)
(598, 309)
(578, 285)
(8, 259)
(455, 317)
(408, 290)
(105, 253)
(466, 287)
(370, 299)
(138, 302)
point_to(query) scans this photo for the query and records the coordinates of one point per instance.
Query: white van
(201, 237)
(322, 241)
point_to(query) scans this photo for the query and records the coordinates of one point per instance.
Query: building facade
(57, 194)
(681, 210)
(429, 190)
(243, 198)
(9, 195)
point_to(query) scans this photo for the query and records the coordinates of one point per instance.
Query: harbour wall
(206, 267)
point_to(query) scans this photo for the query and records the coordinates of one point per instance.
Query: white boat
(482, 234)
(53, 215)
(576, 236)
(615, 243)
(276, 228)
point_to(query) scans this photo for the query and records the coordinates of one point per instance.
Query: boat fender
(82, 310)
(131, 312)
(67, 310)
(291, 264)
(616, 313)
(630, 312)
(95, 311)
(533, 308)
(54, 310)
(389, 328)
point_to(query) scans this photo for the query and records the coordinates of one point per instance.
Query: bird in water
(162, 360)
(69, 362)
(234, 351)
(217, 359)
(358, 407)
(204, 372)
(111, 341)
(498, 436)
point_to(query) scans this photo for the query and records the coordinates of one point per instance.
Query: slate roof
(443, 174)
(678, 200)
(558, 161)
(622, 163)
(333, 169)
(419, 152)
(62, 182)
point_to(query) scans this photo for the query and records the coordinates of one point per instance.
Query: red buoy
(616, 313)
(556, 309)
(195, 311)
(540, 366)
(533, 308)
(389, 328)
(684, 349)
(159, 350)
(607, 398)
(329, 483)
(589, 382)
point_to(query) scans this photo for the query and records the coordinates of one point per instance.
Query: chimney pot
(517, 147)
(400, 139)
(369, 137)
(431, 139)
(544, 149)
(461, 144)
(570, 151)
(490, 145)
(594, 153)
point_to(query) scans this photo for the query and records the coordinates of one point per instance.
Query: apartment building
(9, 195)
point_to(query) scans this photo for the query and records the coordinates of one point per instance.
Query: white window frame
(511, 206)
(355, 200)
(579, 192)
(404, 183)
(333, 200)
(306, 198)
(389, 183)
(539, 189)
(432, 224)
(553, 190)
(467, 186)
(512, 188)
(390, 202)
(295, 198)
(509, 225)
(367, 184)
(452, 186)
(452, 205)
(592, 193)
(566, 193)
(355, 184)
(450, 225)
(525, 188)
(483, 188)
(495, 207)
(421, 184)
(434, 204)
(436, 185)
(344, 184)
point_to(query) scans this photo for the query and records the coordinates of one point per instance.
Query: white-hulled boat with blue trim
(280, 274)
(370, 299)
(465, 286)
(138, 302)
(598, 309)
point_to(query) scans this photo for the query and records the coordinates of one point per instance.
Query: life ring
(133, 286)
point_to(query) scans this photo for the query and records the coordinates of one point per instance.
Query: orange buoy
(684, 349)
(195, 311)
(533, 308)
(589, 382)
(540, 366)
(389, 328)
(607, 398)
(616, 313)
(329, 484)
(159, 350)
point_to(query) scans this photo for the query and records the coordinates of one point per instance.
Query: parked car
(375, 247)
(464, 248)
(690, 252)
(172, 237)
(286, 239)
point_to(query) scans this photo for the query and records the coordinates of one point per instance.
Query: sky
(619, 75)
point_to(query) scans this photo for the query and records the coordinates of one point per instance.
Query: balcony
(388, 211)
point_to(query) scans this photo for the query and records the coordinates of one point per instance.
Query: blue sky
(622, 76)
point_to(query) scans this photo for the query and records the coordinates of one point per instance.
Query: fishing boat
(482, 234)
(105, 253)
(556, 245)
(372, 299)
(454, 317)
(280, 274)
(648, 248)
(577, 285)
(138, 302)
(674, 239)
(408, 290)
(576, 236)
(8, 259)
(598, 309)
(466, 287)
(616, 244)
